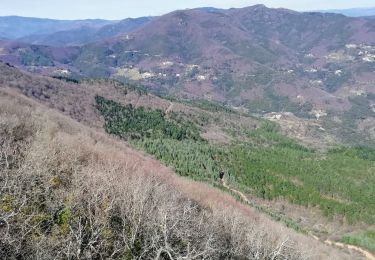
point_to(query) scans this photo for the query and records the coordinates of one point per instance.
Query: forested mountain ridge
(275, 63)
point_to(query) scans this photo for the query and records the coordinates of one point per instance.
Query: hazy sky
(119, 9)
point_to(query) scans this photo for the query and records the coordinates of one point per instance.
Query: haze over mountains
(64, 32)
(14, 27)
(354, 12)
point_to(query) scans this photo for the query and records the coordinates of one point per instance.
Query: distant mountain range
(13, 27)
(64, 32)
(354, 12)
(78, 32)
(86, 34)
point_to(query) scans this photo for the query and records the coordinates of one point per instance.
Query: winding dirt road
(367, 254)
(242, 195)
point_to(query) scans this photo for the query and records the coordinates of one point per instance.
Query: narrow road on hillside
(242, 195)
(367, 254)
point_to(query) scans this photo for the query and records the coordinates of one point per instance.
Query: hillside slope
(69, 191)
(198, 139)
(77, 100)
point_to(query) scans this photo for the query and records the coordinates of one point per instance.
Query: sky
(120, 9)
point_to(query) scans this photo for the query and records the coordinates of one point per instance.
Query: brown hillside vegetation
(69, 192)
(78, 100)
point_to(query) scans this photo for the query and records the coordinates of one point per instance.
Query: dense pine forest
(269, 165)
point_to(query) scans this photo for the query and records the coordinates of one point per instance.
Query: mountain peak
(258, 6)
